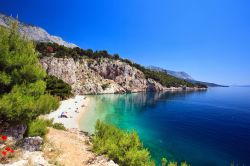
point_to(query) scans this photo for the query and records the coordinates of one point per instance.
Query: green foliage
(172, 163)
(38, 127)
(165, 79)
(105, 86)
(27, 101)
(125, 148)
(116, 56)
(45, 49)
(59, 126)
(163, 161)
(22, 94)
(58, 87)
(184, 163)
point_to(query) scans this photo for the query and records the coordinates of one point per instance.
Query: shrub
(59, 126)
(38, 127)
(172, 163)
(184, 163)
(116, 56)
(163, 161)
(58, 87)
(125, 148)
(105, 86)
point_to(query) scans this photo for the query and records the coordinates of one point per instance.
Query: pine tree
(22, 94)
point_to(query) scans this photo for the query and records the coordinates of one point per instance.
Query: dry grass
(51, 152)
(65, 148)
(69, 149)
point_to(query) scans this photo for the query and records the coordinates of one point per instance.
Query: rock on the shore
(88, 76)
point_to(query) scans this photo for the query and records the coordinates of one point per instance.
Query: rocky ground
(71, 148)
(68, 148)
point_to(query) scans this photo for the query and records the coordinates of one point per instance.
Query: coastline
(75, 107)
(78, 105)
(82, 110)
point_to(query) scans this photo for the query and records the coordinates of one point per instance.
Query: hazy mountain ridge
(178, 74)
(34, 32)
(184, 76)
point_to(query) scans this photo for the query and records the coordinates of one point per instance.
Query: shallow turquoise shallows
(209, 128)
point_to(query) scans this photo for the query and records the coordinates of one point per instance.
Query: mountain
(184, 76)
(209, 84)
(241, 85)
(34, 33)
(181, 74)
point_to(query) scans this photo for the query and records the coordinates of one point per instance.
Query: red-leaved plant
(6, 151)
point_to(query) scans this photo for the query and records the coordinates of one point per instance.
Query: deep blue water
(208, 128)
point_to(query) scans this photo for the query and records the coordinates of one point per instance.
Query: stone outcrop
(88, 76)
(30, 158)
(32, 143)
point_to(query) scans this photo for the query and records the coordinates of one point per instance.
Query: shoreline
(75, 107)
(79, 104)
(83, 110)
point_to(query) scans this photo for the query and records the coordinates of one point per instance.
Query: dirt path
(71, 149)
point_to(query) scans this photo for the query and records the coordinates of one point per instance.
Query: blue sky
(209, 39)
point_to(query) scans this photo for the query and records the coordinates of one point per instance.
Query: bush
(125, 148)
(105, 86)
(38, 127)
(172, 163)
(58, 87)
(116, 56)
(59, 126)
(165, 162)
(184, 164)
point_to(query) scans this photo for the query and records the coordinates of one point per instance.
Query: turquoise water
(209, 128)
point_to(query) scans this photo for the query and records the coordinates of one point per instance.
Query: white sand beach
(74, 108)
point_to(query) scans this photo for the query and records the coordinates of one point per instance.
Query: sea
(203, 128)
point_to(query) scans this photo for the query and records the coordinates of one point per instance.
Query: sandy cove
(74, 107)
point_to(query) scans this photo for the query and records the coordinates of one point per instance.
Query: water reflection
(126, 108)
(138, 101)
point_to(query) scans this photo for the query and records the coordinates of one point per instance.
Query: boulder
(32, 143)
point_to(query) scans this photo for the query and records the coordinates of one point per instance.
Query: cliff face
(88, 76)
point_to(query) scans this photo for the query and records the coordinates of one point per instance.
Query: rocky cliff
(88, 76)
